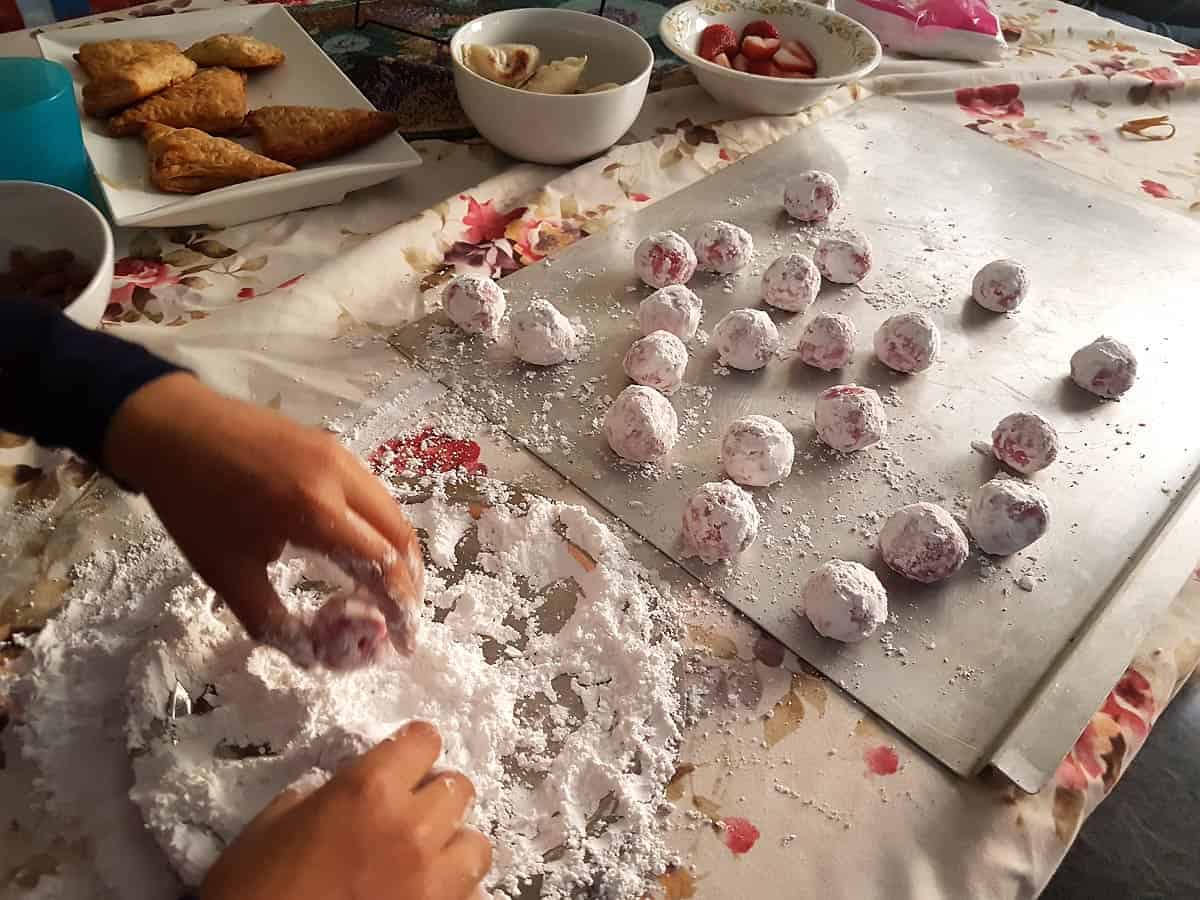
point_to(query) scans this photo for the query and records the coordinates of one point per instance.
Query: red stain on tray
(427, 452)
(882, 760)
(740, 834)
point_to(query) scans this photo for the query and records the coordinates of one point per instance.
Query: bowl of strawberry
(764, 56)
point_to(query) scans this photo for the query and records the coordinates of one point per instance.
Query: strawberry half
(793, 56)
(760, 28)
(741, 63)
(715, 40)
(759, 47)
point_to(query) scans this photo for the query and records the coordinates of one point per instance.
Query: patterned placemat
(411, 75)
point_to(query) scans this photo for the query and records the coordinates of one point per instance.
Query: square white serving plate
(308, 78)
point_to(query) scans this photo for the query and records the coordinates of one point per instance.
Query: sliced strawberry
(741, 63)
(760, 28)
(765, 67)
(759, 47)
(715, 40)
(793, 56)
(722, 60)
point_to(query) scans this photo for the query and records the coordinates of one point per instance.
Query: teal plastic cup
(40, 124)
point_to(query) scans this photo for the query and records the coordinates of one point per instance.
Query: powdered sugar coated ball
(474, 303)
(1001, 285)
(657, 360)
(844, 258)
(1007, 515)
(1106, 367)
(746, 339)
(641, 425)
(844, 600)
(719, 522)
(791, 283)
(922, 541)
(723, 248)
(348, 633)
(664, 258)
(849, 417)
(908, 342)
(757, 451)
(542, 335)
(675, 308)
(811, 196)
(1025, 442)
(828, 341)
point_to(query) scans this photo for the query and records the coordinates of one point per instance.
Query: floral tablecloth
(790, 787)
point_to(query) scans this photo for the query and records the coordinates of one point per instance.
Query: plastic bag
(947, 29)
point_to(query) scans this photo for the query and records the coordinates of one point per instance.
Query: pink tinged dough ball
(723, 248)
(827, 342)
(541, 335)
(348, 633)
(908, 342)
(1025, 442)
(1007, 515)
(811, 196)
(675, 308)
(657, 360)
(849, 417)
(474, 303)
(719, 522)
(922, 541)
(791, 283)
(757, 451)
(1001, 286)
(664, 258)
(844, 258)
(641, 425)
(746, 339)
(844, 601)
(1106, 367)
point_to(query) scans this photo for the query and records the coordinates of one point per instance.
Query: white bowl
(555, 129)
(48, 218)
(844, 51)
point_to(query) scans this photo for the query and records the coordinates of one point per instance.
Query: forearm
(60, 383)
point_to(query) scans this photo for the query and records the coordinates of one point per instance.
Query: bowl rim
(456, 43)
(694, 59)
(104, 266)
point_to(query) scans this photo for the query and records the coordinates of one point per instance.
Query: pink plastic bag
(946, 29)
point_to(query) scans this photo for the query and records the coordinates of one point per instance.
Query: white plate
(308, 78)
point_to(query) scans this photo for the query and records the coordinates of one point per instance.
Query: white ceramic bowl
(551, 128)
(844, 51)
(48, 218)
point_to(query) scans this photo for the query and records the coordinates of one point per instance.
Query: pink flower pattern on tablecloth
(999, 101)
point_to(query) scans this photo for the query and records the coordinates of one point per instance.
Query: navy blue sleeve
(61, 383)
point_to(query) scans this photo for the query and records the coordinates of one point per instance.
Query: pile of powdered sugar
(545, 659)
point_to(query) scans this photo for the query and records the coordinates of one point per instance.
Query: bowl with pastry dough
(550, 86)
(55, 247)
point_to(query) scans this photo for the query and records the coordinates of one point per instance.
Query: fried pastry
(187, 161)
(304, 134)
(237, 51)
(212, 100)
(122, 72)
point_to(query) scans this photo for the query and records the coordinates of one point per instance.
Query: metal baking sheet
(976, 669)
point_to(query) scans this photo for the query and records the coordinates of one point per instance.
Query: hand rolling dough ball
(908, 342)
(844, 600)
(746, 339)
(757, 451)
(657, 360)
(811, 196)
(1007, 515)
(542, 335)
(675, 308)
(641, 425)
(791, 283)
(922, 541)
(719, 522)
(664, 258)
(849, 417)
